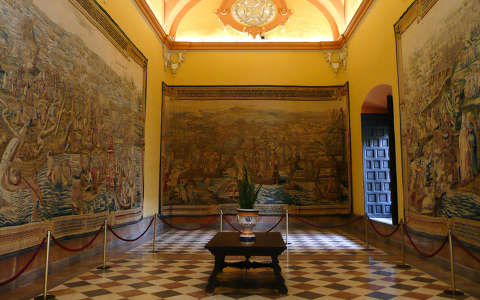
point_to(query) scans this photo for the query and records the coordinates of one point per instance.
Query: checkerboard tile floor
(313, 242)
(138, 274)
(305, 242)
(186, 279)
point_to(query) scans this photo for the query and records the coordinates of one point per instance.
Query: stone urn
(247, 218)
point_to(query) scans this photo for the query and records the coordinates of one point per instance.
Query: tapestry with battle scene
(71, 120)
(439, 71)
(295, 141)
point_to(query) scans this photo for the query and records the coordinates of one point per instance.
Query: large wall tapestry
(293, 140)
(71, 121)
(439, 71)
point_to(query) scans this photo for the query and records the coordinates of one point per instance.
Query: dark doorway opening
(380, 182)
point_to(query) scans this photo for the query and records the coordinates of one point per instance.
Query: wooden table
(228, 244)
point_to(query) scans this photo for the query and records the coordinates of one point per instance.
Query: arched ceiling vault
(334, 12)
(177, 18)
(334, 17)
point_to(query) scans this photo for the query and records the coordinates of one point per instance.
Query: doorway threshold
(383, 220)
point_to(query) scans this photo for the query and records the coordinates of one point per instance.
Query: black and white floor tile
(305, 242)
(139, 274)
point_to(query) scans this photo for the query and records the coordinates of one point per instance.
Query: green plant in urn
(246, 214)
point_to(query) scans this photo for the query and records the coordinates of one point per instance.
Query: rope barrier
(326, 226)
(351, 221)
(465, 248)
(238, 230)
(26, 266)
(188, 229)
(381, 234)
(59, 244)
(418, 250)
(280, 220)
(130, 240)
(229, 223)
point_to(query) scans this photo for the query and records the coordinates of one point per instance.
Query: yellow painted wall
(372, 61)
(256, 67)
(131, 21)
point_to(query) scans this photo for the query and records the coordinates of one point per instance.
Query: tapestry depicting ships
(298, 150)
(71, 116)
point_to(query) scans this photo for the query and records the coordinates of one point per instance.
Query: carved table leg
(212, 280)
(278, 274)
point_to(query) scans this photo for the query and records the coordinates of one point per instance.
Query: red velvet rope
(229, 223)
(188, 229)
(418, 250)
(328, 226)
(134, 239)
(59, 244)
(465, 248)
(381, 234)
(26, 266)
(280, 220)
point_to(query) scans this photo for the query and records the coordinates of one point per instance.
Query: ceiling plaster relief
(333, 10)
(254, 17)
(173, 59)
(337, 59)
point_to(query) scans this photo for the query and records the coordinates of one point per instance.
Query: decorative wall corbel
(172, 59)
(337, 59)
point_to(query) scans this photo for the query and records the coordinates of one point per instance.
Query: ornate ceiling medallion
(254, 16)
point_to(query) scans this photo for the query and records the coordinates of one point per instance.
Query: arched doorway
(378, 140)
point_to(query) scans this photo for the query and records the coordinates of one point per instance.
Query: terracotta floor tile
(61, 292)
(344, 295)
(173, 285)
(418, 296)
(88, 277)
(369, 286)
(108, 284)
(130, 293)
(304, 286)
(331, 279)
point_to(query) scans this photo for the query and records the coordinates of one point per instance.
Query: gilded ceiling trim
(173, 45)
(258, 45)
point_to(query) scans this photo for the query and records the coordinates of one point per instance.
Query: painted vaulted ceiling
(271, 20)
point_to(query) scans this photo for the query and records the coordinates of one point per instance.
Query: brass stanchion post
(286, 226)
(45, 279)
(154, 232)
(104, 266)
(403, 265)
(286, 238)
(221, 220)
(366, 231)
(452, 291)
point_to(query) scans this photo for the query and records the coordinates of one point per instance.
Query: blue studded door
(375, 135)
